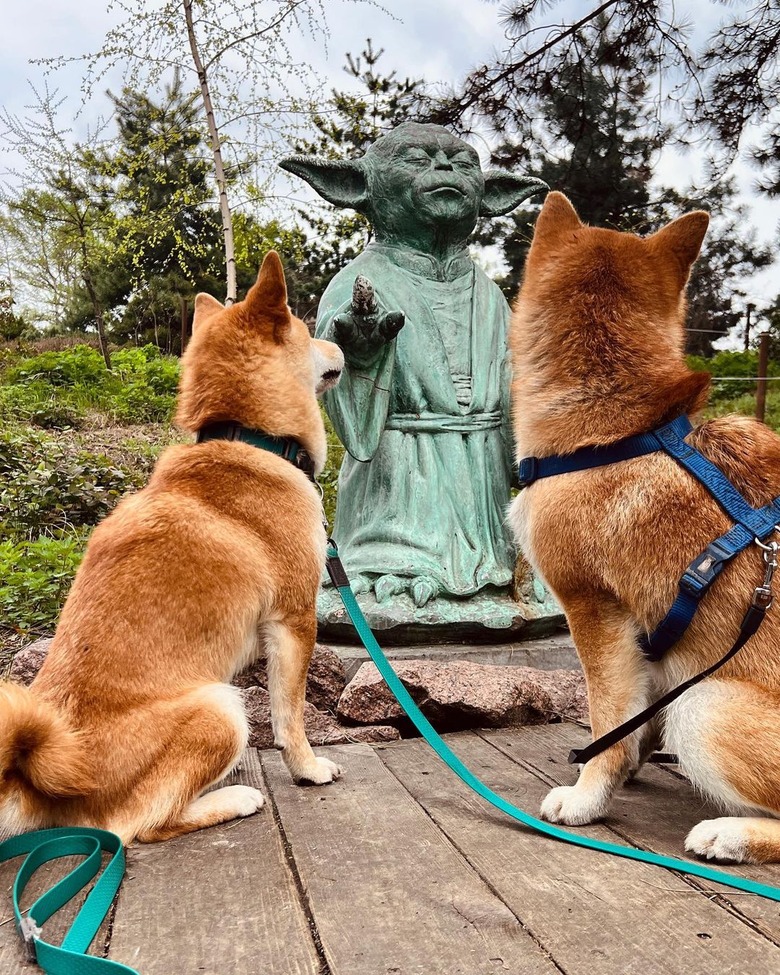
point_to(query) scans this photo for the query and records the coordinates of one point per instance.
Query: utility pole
(750, 308)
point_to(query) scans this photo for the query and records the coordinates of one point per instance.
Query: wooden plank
(388, 893)
(594, 914)
(655, 811)
(218, 901)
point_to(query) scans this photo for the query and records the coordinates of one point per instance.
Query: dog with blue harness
(657, 538)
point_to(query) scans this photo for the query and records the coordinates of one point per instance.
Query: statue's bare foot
(389, 586)
(360, 584)
(423, 590)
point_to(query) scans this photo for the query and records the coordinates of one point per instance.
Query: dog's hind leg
(290, 647)
(727, 736)
(206, 731)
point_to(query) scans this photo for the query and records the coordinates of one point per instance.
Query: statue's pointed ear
(339, 181)
(505, 191)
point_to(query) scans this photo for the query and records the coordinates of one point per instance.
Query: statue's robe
(426, 481)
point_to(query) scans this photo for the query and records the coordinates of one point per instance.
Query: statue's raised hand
(365, 329)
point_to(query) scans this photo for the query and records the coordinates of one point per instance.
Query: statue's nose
(441, 160)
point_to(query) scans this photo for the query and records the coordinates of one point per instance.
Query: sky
(438, 40)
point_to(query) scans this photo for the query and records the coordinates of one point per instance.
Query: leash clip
(30, 931)
(763, 596)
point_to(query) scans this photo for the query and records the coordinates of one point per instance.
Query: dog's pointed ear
(341, 182)
(266, 301)
(505, 191)
(682, 238)
(556, 219)
(205, 306)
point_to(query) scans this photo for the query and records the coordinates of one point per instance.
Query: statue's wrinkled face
(423, 175)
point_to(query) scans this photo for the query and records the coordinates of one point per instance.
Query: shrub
(55, 389)
(740, 365)
(47, 488)
(79, 365)
(35, 577)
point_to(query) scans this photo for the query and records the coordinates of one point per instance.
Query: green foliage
(36, 576)
(740, 365)
(328, 479)
(57, 389)
(49, 488)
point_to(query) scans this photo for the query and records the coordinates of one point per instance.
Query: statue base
(489, 616)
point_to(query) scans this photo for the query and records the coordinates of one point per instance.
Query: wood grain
(388, 893)
(655, 811)
(221, 901)
(594, 914)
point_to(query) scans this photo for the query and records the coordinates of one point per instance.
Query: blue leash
(341, 582)
(41, 847)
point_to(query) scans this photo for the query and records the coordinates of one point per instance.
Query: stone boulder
(324, 685)
(29, 660)
(321, 728)
(460, 694)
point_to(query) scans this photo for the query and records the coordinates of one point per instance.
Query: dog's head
(255, 363)
(599, 322)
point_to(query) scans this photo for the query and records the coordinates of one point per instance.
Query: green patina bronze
(423, 404)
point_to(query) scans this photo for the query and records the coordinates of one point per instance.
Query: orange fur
(597, 343)
(216, 561)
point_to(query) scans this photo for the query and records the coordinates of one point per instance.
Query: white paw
(243, 799)
(720, 839)
(322, 772)
(572, 806)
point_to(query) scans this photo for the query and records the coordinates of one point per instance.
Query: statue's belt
(443, 422)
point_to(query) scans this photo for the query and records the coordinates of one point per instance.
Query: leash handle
(445, 753)
(43, 846)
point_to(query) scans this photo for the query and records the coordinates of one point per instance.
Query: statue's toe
(360, 584)
(423, 590)
(388, 586)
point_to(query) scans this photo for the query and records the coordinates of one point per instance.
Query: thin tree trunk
(99, 320)
(216, 148)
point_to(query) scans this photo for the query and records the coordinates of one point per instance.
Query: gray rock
(324, 685)
(29, 660)
(321, 728)
(461, 694)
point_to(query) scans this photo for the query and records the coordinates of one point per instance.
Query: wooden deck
(398, 869)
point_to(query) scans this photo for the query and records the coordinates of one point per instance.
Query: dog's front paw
(320, 773)
(572, 806)
(720, 839)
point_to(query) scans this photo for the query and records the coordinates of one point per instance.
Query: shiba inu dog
(215, 562)
(597, 346)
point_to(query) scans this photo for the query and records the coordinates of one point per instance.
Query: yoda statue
(423, 404)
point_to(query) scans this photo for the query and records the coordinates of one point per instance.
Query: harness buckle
(763, 596)
(30, 931)
(704, 569)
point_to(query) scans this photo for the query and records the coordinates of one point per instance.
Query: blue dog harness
(751, 525)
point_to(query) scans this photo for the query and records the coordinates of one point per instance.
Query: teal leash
(41, 847)
(341, 582)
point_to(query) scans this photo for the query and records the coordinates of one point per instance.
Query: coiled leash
(341, 582)
(42, 847)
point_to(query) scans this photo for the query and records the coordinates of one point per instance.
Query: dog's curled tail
(37, 747)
